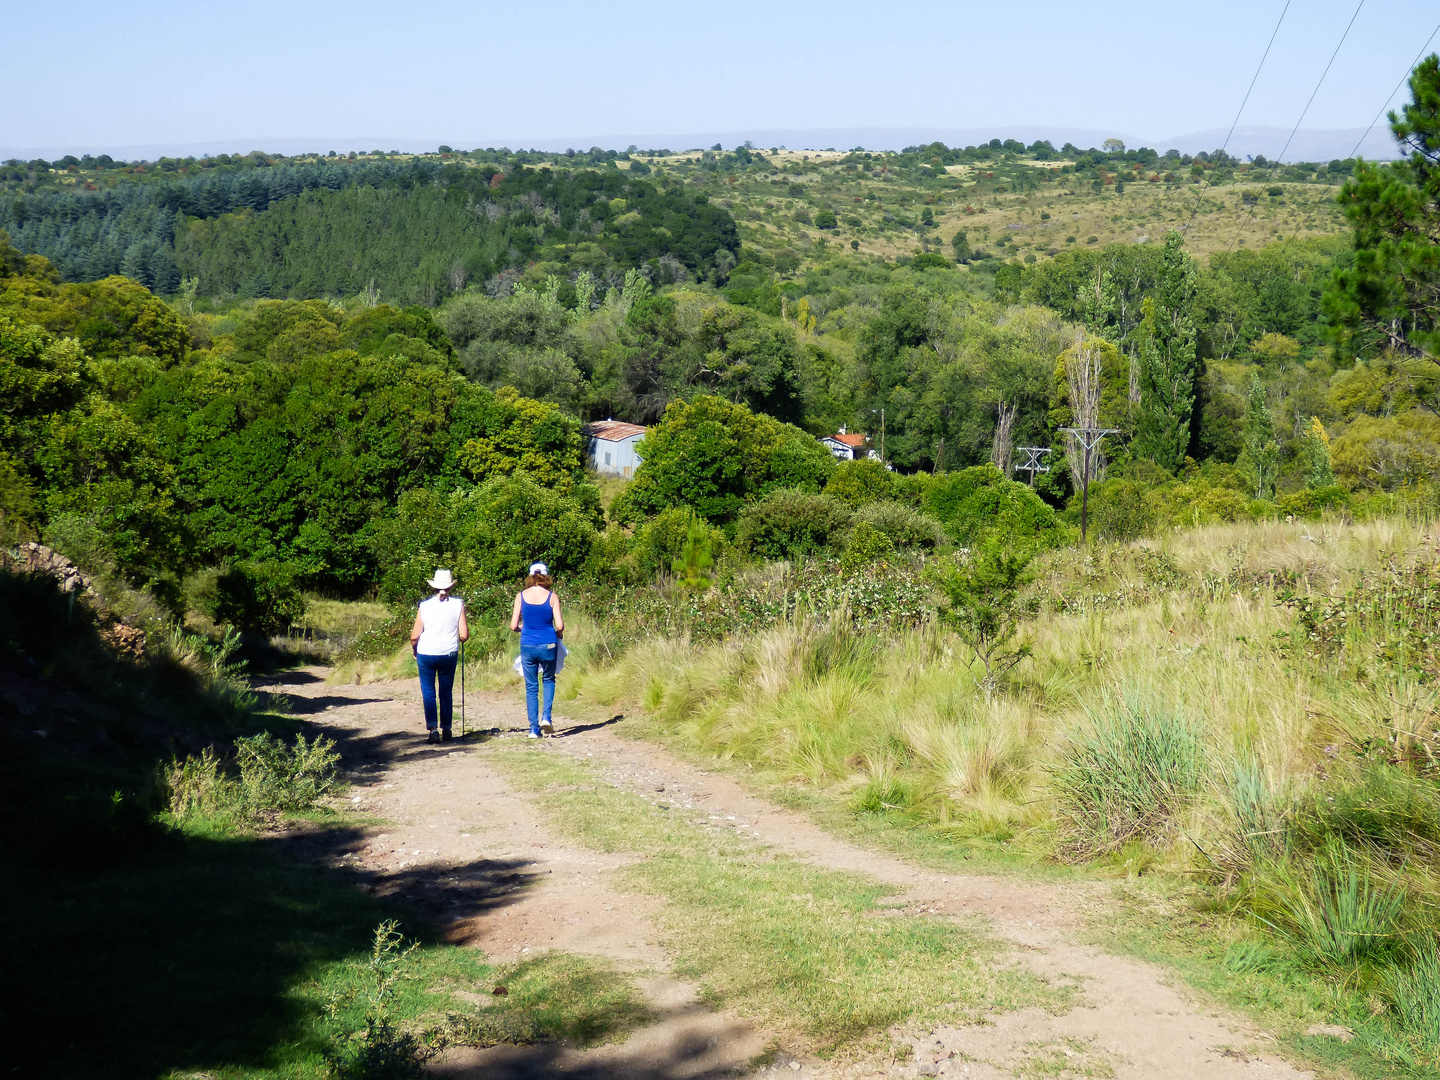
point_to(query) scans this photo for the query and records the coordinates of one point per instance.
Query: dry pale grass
(1189, 621)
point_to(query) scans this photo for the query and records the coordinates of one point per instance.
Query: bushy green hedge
(258, 597)
(978, 503)
(790, 524)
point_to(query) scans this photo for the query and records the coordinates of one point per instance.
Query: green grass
(824, 958)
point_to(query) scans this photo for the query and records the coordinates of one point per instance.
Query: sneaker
(547, 728)
(534, 734)
(445, 735)
(433, 737)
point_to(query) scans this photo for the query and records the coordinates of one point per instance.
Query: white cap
(539, 568)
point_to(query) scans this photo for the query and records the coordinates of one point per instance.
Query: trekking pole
(462, 689)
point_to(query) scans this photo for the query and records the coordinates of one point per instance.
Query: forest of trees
(353, 347)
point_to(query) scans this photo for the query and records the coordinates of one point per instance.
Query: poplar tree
(1167, 366)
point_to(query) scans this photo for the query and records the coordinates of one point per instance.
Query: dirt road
(474, 854)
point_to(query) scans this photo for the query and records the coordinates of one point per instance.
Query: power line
(1244, 101)
(1408, 71)
(1399, 84)
(1305, 110)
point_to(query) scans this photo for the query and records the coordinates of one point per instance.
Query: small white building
(612, 447)
(846, 446)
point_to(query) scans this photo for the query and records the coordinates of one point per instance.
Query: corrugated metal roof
(849, 439)
(612, 430)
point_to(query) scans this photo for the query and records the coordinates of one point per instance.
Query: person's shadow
(582, 728)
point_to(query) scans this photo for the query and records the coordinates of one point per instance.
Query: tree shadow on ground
(131, 952)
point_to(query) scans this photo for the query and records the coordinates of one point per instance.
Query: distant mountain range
(1307, 145)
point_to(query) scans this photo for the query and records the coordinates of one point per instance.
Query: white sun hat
(539, 568)
(442, 580)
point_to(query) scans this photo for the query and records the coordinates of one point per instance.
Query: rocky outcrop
(34, 558)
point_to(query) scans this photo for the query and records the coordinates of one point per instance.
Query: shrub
(864, 545)
(910, 488)
(1314, 502)
(273, 778)
(977, 503)
(288, 779)
(257, 597)
(1119, 510)
(906, 528)
(825, 219)
(930, 260)
(790, 524)
(860, 482)
(1129, 771)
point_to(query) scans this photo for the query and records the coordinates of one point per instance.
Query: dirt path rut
(463, 845)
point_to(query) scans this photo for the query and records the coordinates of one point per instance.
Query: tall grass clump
(1128, 772)
(1336, 913)
(266, 778)
(1413, 992)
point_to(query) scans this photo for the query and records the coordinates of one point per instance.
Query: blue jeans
(537, 661)
(431, 668)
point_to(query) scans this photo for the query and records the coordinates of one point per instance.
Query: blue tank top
(537, 622)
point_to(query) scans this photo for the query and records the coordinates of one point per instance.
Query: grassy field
(1196, 719)
(878, 210)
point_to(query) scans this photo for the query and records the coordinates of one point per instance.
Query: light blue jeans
(537, 662)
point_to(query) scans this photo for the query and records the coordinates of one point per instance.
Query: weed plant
(268, 778)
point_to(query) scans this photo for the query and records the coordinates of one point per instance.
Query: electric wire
(1200, 195)
(1300, 121)
(1408, 72)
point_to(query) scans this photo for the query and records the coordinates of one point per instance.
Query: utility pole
(1033, 456)
(1089, 439)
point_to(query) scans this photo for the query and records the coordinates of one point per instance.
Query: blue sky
(92, 75)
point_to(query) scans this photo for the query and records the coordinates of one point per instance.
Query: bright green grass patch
(805, 950)
(1160, 921)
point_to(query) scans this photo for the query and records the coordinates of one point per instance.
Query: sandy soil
(476, 856)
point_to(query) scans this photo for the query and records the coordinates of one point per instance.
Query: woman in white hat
(435, 639)
(536, 615)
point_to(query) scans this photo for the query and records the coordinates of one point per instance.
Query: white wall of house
(616, 458)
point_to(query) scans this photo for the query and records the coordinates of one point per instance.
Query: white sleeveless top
(440, 626)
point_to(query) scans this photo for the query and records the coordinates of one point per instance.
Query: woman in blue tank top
(536, 615)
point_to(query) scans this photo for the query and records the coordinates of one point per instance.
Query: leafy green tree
(960, 243)
(520, 434)
(489, 535)
(713, 455)
(1391, 297)
(1315, 456)
(1167, 361)
(826, 219)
